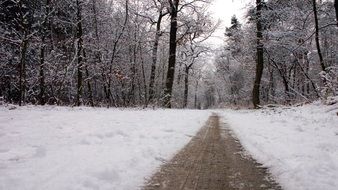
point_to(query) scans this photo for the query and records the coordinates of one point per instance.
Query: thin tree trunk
(41, 72)
(132, 93)
(186, 87)
(114, 54)
(282, 74)
(154, 57)
(305, 72)
(41, 98)
(336, 8)
(99, 54)
(143, 76)
(260, 58)
(95, 22)
(196, 90)
(89, 86)
(321, 61)
(79, 54)
(172, 53)
(271, 89)
(22, 69)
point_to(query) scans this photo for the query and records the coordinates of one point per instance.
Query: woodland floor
(212, 160)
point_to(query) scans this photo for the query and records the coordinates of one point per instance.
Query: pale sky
(224, 10)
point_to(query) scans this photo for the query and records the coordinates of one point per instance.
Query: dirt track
(212, 160)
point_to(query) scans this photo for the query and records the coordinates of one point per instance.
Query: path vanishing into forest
(212, 160)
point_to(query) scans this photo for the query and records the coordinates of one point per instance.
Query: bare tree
(79, 53)
(161, 13)
(319, 51)
(259, 58)
(173, 10)
(43, 31)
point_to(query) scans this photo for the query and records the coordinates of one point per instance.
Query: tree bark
(260, 58)
(336, 8)
(154, 56)
(89, 85)
(186, 83)
(41, 72)
(23, 51)
(172, 53)
(143, 76)
(321, 60)
(186, 86)
(44, 26)
(22, 69)
(79, 54)
(196, 91)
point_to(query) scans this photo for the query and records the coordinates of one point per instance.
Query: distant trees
(126, 53)
(176, 6)
(293, 66)
(95, 52)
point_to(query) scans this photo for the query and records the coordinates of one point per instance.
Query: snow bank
(83, 148)
(299, 145)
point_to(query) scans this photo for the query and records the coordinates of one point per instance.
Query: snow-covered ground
(299, 144)
(83, 148)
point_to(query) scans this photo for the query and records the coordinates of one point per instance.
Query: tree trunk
(154, 57)
(116, 42)
(260, 58)
(79, 54)
(186, 87)
(132, 91)
(271, 89)
(143, 76)
(41, 72)
(89, 85)
(321, 61)
(172, 53)
(195, 98)
(22, 69)
(336, 8)
(44, 26)
(99, 53)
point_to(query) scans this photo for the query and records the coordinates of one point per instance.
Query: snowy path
(84, 148)
(212, 161)
(299, 145)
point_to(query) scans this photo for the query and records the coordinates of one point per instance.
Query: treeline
(103, 53)
(286, 53)
(126, 53)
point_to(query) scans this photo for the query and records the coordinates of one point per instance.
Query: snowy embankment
(299, 144)
(84, 148)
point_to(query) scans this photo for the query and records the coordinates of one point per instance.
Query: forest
(140, 53)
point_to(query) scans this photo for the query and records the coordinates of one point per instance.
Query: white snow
(58, 148)
(85, 148)
(298, 144)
